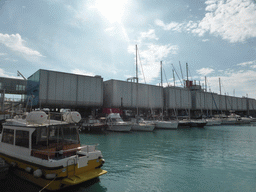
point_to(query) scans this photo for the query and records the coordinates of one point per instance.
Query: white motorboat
(139, 124)
(116, 123)
(48, 152)
(93, 125)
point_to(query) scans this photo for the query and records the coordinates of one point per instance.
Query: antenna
(20, 74)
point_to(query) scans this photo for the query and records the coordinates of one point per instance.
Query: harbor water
(214, 158)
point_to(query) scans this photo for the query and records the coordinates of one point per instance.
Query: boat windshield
(54, 136)
(117, 120)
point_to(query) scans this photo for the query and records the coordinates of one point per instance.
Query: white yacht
(229, 120)
(139, 124)
(166, 124)
(116, 123)
(48, 152)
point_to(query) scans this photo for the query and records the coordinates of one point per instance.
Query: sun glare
(112, 10)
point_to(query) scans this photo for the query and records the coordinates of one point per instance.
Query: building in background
(52, 89)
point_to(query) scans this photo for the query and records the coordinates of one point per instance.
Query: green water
(217, 158)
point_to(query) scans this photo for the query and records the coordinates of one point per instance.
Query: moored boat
(184, 123)
(166, 124)
(93, 125)
(116, 123)
(4, 168)
(213, 122)
(48, 152)
(139, 124)
(197, 123)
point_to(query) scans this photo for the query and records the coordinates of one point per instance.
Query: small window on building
(22, 138)
(17, 87)
(8, 136)
(0, 85)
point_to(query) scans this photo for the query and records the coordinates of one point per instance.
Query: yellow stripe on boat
(76, 179)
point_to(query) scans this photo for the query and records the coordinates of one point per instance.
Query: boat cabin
(52, 141)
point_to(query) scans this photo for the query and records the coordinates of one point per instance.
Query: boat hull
(139, 127)
(93, 128)
(120, 128)
(65, 176)
(166, 125)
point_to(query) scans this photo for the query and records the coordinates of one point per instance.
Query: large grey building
(132, 95)
(56, 89)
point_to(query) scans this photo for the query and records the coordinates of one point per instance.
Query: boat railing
(66, 151)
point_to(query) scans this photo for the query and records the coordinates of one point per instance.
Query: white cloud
(243, 82)
(3, 54)
(82, 72)
(247, 63)
(5, 74)
(9, 59)
(233, 20)
(205, 71)
(118, 31)
(150, 34)
(205, 40)
(171, 26)
(16, 43)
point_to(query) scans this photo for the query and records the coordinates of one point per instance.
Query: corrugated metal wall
(64, 89)
(117, 93)
(58, 88)
(252, 104)
(177, 98)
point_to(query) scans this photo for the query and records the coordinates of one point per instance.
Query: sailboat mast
(136, 65)
(205, 84)
(161, 73)
(187, 70)
(173, 77)
(137, 80)
(182, 74)
(220, 86)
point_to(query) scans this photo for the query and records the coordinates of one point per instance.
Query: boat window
(8, 136)
(22, 138)
(70, 134)
(56, 135)
(119, 120)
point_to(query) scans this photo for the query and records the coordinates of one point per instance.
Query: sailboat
(138, 123)
(161, 124)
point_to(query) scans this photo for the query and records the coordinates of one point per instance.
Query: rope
(177, 75)
(48, 184)
(166, 78)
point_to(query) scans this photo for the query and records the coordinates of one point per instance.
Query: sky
(215, 38)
